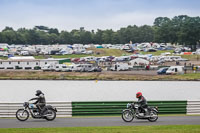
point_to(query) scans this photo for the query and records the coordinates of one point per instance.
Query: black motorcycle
(23, 114)
(134, 111)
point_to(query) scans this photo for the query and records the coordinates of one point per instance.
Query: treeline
(181, 29)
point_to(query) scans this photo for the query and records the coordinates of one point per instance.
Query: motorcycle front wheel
(127, 115)
(22, 115)
(50, 114)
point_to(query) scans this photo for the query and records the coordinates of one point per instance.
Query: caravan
(120, 67)
(48, 67)
(83, 68)
(61, 68)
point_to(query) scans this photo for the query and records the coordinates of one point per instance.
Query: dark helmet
(38, 92)
(138, 94)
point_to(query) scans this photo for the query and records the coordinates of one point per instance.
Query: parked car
(162, 70)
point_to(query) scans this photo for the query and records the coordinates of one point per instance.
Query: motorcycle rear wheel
(22, 115)
(127, 115)
(51, 114)
(153, 116)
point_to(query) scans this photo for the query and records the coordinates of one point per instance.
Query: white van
(175, 70)
(120, 67)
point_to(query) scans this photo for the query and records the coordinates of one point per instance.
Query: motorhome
(175, 70)
(24, 53)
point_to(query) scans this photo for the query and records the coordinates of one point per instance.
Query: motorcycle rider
(142, 103)
(40, 101)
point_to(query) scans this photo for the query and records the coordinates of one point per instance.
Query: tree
(107, 36)
(53, 30)
(162, 27)
(53, 38)
(7, 29)
(9, 36)
(160, 21)
(75, 36)
(98, 37)
(85, 37)
(182, 30)
(65, 37)
(115, 38)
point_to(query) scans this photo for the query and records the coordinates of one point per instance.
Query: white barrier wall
(8, 109)
(92, 90)
(193, 107)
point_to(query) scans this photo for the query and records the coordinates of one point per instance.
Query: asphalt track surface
(97, 122)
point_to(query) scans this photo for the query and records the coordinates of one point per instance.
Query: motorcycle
(31, 109)
(134, 111)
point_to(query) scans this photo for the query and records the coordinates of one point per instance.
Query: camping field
(98, 52)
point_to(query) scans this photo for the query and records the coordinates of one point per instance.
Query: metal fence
(115, 108)
(193, 107)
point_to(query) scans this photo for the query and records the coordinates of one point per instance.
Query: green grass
(4, 58)
(124, 129)
(62, 56)
(157, 52)
(191, 57)
(189, 76)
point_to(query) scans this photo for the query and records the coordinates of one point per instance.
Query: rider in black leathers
(40, 101)
(142, 103)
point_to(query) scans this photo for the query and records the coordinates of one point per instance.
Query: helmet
(138, 94)
(38, 92)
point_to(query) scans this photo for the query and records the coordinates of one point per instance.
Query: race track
(97, 122)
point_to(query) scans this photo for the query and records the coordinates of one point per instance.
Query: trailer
(120, 67)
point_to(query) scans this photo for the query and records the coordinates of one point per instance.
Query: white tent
(138, 62)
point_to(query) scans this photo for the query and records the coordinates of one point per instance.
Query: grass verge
(124, 129)
(39, 75)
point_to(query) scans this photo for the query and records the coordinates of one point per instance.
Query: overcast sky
(91, 14)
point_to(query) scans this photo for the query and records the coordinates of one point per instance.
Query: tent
(99, 46)
(139, 62)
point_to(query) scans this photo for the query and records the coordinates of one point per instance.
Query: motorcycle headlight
(128, 105)
(25, 104)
